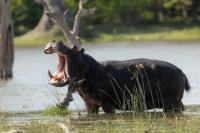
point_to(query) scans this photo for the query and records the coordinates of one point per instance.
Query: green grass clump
(54, 110)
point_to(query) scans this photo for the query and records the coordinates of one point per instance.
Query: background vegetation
(134, 19)
(25, 15)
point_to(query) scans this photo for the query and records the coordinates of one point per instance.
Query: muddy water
(29, 90)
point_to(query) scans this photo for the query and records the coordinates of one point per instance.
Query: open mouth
(60, 78)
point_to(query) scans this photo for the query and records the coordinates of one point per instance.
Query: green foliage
(118, 11)
(136, 11)
(173, 3)
(132, 33)
(54, 110)
(25, 14)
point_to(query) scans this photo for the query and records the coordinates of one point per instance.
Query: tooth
(65, 74)
(49, 73)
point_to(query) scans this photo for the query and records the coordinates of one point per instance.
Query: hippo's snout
(50, 47)
(49, 50)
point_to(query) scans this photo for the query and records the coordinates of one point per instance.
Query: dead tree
(59, 17)
(6, 40)
(45, 24)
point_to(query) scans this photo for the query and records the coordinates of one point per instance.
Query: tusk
(65, 75)
(49, 73)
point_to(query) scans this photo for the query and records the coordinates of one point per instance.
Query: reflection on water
(29, 90)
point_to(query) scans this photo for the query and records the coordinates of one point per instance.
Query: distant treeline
(26, 13)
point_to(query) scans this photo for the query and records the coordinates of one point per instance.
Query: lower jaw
(59, 80)
(59, 84)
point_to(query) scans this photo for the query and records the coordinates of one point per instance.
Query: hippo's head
(68, 62)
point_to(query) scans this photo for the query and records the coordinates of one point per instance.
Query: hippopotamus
(129, 85)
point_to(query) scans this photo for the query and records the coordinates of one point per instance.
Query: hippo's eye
(75, 48)
(82, 51)
(59, 43)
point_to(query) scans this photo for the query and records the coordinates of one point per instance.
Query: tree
(25, 15)
(59, 16)
(158, 10)
(6, 40)
(195, 9)
(45, 23)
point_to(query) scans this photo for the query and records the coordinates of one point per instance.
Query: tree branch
(81, 12)
(59, 16)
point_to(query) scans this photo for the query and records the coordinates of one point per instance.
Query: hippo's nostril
(50, 47)
(48, 50)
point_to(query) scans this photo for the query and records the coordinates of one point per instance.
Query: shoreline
(151, 34)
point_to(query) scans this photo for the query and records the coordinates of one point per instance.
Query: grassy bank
(102, 35)
(127, 123)
(188, 122)
(37, 39)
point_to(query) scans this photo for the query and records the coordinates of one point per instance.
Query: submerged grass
(54, 110)
(117, 123)
(141, 124)
(4, 114)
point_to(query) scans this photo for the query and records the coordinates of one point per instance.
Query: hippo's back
(141, 63)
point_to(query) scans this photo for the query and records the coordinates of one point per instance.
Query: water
(29, 89)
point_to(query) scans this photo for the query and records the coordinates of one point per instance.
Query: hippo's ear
(62, 48)
(58, 42)
(82, 51)
(75, 48)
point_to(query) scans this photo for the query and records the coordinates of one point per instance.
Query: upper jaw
(50, 48)
(61, 77)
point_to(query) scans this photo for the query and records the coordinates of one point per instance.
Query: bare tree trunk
(6, 41)
(158, 10)
(195, 9)
(59, 16)
(45, 24)
(183, 5)
(184, 12)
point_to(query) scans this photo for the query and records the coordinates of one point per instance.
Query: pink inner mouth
(61, 76)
